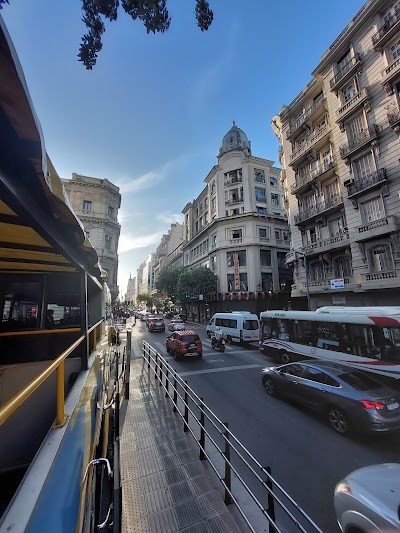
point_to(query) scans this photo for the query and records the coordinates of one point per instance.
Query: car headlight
(343, 488)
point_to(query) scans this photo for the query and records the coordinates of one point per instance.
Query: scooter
(218, 345)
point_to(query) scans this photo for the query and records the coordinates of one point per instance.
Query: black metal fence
(246, 482)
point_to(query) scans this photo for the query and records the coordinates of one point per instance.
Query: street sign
(337, 283)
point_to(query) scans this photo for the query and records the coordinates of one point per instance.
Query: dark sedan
(350, 398)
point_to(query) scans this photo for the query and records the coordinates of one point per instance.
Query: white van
(238, 326)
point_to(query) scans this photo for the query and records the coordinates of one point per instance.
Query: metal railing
(306, 115)
(305, 177)
(212, 436)
(393, 117)
(383, 30)
(352, 62)
(367, 181)
(359, 140)
(320, 207)
(57, 366)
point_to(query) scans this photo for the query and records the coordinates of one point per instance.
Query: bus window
(20, 312)
(250, 324)
(266, 329)
(280, 329)
(302, 332)
(392, 343)
(361, 341)
(327, 336)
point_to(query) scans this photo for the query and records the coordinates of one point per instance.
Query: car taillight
(163, 323)
(372, 405)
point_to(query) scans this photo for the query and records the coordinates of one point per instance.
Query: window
(214, 239)
(281, 256)
(372, 210)
(110, 211)
(213, 187)
(236, 234)
(360, 381)
(364, 166)
(312, 235)
(205, 203)
(259, 175)
(265, 258)
(266, 282)
(355, 126)
(331, 192)
(241, 258)
(314, 374)
(336, 226)
(197, 226)
(213, 203)
(280, 329)
(394, 51)
(21, 303)
(273, 182)
(108, 240)
(294, 370)
(342, 267)
(214, 263)
(307, 203)
(349, 92)
(260, 194)
(275, 199)
(317, 271)
(381, 258)
(242, 282)
(87, 205)
(302, 332)
(264, 233)
(261, 210)
(206, 218)
(344, 61)
(391, 12)
(278, 235)
(361, 340)
(250, 325)
(235, 212)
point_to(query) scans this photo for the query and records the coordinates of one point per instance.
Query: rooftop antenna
(233, 120)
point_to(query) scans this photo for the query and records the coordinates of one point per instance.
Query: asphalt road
(306, 457)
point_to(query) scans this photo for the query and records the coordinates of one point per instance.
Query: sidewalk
(165, 487)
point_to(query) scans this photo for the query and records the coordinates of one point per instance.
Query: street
(305, 455)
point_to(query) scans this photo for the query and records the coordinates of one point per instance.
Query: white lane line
(215, 370)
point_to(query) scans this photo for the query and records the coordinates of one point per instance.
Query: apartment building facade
(169, 242)
(96, 203)
(340, 154)
(237, 227)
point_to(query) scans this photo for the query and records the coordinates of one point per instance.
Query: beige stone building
(340, 154)
(96, 203)
(169, 243)
(237, 227)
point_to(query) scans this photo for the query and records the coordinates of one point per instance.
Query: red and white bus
(363, 337)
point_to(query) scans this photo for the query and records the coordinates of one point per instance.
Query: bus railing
(57, 366)
(271, 500)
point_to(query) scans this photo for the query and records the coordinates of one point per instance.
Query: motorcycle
(218, 345)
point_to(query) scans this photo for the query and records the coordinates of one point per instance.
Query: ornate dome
(235, 139)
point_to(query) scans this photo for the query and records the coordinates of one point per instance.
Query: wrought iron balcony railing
(234, 179)
(352, 62)
(306, 146)
(333, 201)
(359, 140)
(235, 200)
(305, 116)
(393, 117)
(360, 184)
(308, 177)
(383, 30)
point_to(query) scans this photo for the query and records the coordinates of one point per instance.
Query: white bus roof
(241, 313)
(366, 315)
(389, 310)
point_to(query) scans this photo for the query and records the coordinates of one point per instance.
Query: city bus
(363, 337)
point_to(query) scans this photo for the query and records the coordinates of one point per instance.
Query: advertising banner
(236, 275)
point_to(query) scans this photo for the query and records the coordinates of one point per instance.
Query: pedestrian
(193, 316)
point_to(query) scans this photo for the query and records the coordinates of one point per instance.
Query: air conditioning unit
(348, 182)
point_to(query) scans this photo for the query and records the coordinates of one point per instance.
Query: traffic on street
(307, 457)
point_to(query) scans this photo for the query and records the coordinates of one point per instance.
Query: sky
(151, 114)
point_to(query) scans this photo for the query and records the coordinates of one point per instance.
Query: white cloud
(170, 218)
(129, 241)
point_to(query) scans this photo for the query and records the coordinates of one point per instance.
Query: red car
(185, 342)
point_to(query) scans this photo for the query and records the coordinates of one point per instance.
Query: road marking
(214, 370)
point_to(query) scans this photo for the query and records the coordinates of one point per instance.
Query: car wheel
(176, 355)
(269, 386)
(168, 350)
(338, 420)
(285, 358)
(199, 355)
(222, 348)
(229, 339)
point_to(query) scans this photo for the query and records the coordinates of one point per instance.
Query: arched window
(317, 271)
(381, 258)
(342, 267)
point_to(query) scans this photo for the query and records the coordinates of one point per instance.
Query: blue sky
(151, 114)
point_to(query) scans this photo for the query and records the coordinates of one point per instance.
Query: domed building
(237, 227)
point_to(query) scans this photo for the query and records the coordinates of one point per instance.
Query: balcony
(313, 142)
(308, 177)
(389, 73)
(360, 185)
(321, 208)
(376, 228)
(313, 112)
(235, 200)
(386, 32)
(325, 245)
(234, 179)
(380, 280)
(352, 105)
(239, 240)
(345, 73)
(325, 286)
(359, 140)
(394, 118)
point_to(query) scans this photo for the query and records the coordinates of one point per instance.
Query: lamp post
(306, 269)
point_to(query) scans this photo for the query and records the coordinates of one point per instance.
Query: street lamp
(306, 269)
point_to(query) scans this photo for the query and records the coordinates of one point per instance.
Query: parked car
(184, 343)
(177, 325)
(351, 399)
(156, 324)
(368, 499)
